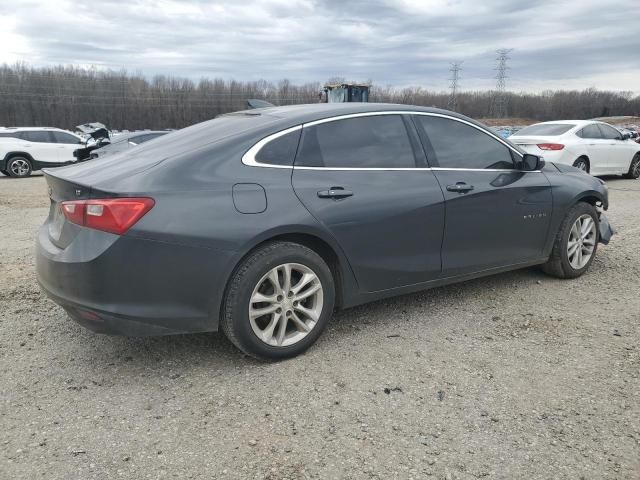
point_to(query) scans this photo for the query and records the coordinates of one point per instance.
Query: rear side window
(38, 136)
(590, 131)
(457, 145)
(546, 129)
(9, 135)
(377, 141)
(280, 150)
(609, 133)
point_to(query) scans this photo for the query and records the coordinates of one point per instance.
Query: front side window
(61, 137)
(376, 141)
(591, 131)
(457, 145)
(39, 136)
(280, 150)
(609, 133)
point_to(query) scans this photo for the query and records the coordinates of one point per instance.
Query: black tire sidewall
(13, 159)
(238, 306)
(577, 211)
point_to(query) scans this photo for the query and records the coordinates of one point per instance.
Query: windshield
(546, 129)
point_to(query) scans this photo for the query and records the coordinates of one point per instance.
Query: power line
(499, 103)
(455, 68)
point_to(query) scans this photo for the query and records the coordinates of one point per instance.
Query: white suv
(25, 149)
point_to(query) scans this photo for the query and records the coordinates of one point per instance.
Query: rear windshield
(546, 129)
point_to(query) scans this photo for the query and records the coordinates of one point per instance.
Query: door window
(38, 136)
(61, 137)
(457, 145)
(376, 141)
(609, 133)
(591, 131)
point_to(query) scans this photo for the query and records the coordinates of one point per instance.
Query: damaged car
(97, 136)
(262, 223)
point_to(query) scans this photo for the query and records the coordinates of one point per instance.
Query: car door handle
(460, 187)
(335, 192)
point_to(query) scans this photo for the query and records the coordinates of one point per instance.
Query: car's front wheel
(19, 167)
(576, 243)
(634, 168)
(278, 302)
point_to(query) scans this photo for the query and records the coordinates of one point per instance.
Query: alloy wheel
(286, 304)
(582, 241)
(19, 167)
(635, 168)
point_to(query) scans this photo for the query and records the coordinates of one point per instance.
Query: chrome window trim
(249, 158)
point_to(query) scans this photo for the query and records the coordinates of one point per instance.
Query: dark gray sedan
(263, 222)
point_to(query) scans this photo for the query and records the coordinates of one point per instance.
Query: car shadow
(192, 350)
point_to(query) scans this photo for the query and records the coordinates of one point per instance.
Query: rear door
(598, 149)
(358, 177)
(39, 144)
(496, 215)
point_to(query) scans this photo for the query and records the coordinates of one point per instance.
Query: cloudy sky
(557, 43)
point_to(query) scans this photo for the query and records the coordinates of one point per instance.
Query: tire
(19, 167)
(634, 168)
(561, 264)
(304, 320)
(582, 163)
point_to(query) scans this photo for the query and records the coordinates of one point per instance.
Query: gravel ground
(513, 376)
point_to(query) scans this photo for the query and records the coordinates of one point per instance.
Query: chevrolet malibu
(263, 222)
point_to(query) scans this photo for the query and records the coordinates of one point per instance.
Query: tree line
(65, 96)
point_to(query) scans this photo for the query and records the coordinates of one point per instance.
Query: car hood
(95, 130)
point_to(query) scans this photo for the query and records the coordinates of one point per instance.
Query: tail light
(550, 146)
(113, 215)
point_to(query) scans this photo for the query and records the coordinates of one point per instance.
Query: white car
(594, 147)
(25, 149)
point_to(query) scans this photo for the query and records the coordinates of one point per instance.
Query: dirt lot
(514, 376)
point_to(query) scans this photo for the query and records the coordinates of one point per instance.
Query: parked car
(123, 141)
(262, 222)
(26, 149)
(595, 147)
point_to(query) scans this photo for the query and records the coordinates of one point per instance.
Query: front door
(496, 215)
(358, 178)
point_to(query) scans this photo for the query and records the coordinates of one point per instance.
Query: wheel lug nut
(278, 310)
(279, 298)
(290, 294)
(288, 313)
(295, 304)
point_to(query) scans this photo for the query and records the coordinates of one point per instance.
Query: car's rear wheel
(582, 163)
(19, 167)
(576, 243)
(278, 302)
(634, 168)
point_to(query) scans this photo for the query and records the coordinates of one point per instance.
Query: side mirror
(530, 162)
(626, 136)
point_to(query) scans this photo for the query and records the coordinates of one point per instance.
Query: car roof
(317, 111)
(27, 129)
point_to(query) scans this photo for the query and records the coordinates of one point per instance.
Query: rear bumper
(132, 286)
